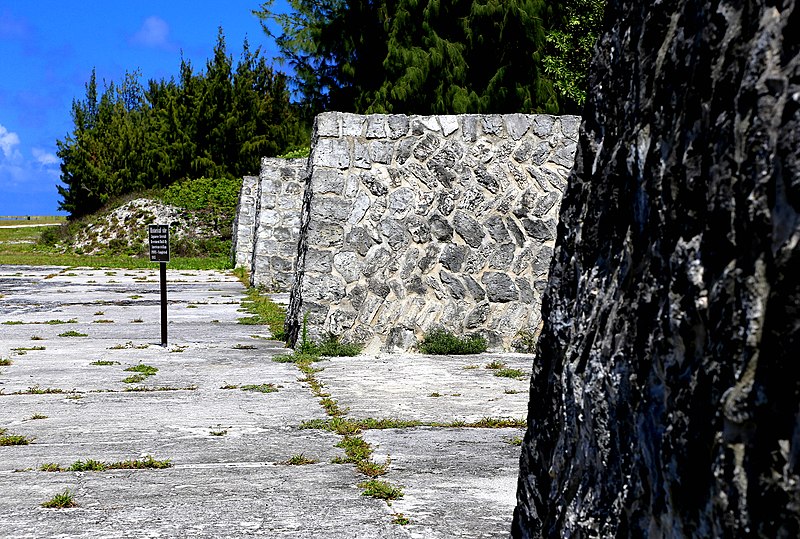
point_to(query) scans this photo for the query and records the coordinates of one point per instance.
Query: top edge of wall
(470, 126)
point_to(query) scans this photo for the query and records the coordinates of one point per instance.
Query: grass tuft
(14, 439)
(298, 460)
(62, 500)
(73, 333)
(516, 374)
(261, 388)
(442, 342)
(264, 311)
(382, 490)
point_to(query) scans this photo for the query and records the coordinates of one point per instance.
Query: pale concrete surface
(458, 482)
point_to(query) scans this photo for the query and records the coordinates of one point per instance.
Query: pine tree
(216, 124)
(437, 56)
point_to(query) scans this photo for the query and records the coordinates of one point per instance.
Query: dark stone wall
(666, 398)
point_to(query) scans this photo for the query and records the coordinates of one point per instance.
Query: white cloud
(8, 140)
(45, 158)
(153, 33)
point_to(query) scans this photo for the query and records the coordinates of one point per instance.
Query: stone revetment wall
(414, 222)
(268, 223)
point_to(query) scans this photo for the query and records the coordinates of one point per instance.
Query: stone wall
(268, 223)
(664, 401)
(244, 225)
(414, 222)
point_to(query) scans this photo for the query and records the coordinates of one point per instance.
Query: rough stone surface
(268, 221)
(664, 402)
(425, 210)
(244, 226)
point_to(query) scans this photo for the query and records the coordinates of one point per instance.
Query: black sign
(159, 243)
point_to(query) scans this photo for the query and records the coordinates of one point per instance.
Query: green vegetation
(62, 500)
(516, 440)
(5, 362)
(91, 465)
(383, 490)
(215, 124)
(73, 333)
(516, 374)
(493, 365)
(264, 311)
(442, 342)
(354, 426)
(298, 460)
(525, 341)
(329, 346)
(37, 416)
(103, 363)
(355, 450)
(141, 368)
(570, 45)
(400, 519)
(13, 439)
(426, 57)
(261, 388)
(36, 390)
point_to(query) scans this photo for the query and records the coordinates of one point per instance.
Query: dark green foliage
(429, 56)
(442, 342)
(335, 47)
(329, 346)
(214, 199)
(214, 124)
(570, 45)
(457, 56)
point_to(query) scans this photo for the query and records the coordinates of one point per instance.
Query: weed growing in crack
(141, 368)
(494, 365)
(400, 519)
(63, 500)
(102, 363)
(144, 389)
(5, 362)
(36, 390)
(89, 465)
(355, 450)
(515, 374)
(264, 311)
(22, 349)
(73, 333)
(373, 469)
(37, 416)
(244, 347)
(516, 440)
(261, 388)
(14, 439)
(382, 490)
(298, 460)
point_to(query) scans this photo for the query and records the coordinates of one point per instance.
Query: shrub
(442, 342)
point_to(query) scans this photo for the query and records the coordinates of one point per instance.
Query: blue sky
(48, 50)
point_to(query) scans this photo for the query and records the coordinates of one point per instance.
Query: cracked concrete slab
(228, 447)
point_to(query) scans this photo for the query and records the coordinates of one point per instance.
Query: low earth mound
(124, 229)
(200, 215)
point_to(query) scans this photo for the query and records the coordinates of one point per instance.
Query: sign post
(159, 252)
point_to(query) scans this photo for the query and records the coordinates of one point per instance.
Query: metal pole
(163, 303)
